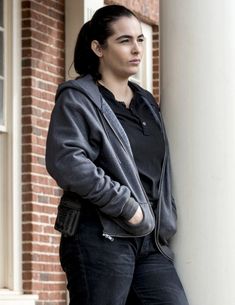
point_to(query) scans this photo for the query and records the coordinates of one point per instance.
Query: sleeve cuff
(129, 209)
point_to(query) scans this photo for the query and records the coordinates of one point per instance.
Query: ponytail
(85, 60)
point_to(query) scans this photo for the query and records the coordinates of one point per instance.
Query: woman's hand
(137, 218)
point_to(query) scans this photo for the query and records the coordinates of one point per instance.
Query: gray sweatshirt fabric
(88, 153)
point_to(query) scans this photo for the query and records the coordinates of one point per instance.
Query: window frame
(12, 278)
(3, 29)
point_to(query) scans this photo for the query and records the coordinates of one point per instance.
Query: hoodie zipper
(156, 230)
(136, 171)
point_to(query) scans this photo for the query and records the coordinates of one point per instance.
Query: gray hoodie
(88, 153)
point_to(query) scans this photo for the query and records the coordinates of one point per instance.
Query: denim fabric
(125, 271)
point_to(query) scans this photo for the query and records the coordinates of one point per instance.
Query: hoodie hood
(84, 84)
(88, 87)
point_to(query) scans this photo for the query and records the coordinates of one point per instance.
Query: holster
(68, 215)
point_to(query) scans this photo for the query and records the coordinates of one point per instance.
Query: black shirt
(145, 138)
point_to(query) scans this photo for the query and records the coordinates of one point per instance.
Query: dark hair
(98, 28)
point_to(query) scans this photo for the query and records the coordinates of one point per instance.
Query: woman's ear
(96, 48)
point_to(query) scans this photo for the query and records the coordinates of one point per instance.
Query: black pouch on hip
(67, 216)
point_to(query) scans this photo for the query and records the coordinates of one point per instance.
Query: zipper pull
(108, 236)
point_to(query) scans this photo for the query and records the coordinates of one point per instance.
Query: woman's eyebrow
(129, 37)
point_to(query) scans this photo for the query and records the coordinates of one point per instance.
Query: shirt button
(144, 123)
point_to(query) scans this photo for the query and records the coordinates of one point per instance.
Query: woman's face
(123, 51)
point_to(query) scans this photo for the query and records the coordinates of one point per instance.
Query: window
(10, 148)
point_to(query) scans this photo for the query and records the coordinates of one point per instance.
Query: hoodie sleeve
(70, 154)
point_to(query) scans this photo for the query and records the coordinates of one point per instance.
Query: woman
(107, 150)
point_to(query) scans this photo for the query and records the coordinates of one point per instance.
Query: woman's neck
(120, 89)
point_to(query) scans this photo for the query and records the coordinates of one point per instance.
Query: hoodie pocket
(145, 227)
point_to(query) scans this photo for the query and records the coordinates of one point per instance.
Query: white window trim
(144, 77)
(13, 295)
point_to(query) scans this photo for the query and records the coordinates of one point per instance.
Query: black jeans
(127, 271)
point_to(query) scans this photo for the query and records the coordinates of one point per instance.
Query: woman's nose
(136, 49)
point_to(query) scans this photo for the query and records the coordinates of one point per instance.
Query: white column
(198, 104)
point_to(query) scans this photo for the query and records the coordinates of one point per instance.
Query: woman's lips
(135, 61)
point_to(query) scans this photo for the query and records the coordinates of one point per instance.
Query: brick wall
(146, 10)
(156, 63)
(42, 70)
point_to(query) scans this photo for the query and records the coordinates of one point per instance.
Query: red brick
(146, 10)
(42, 70)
